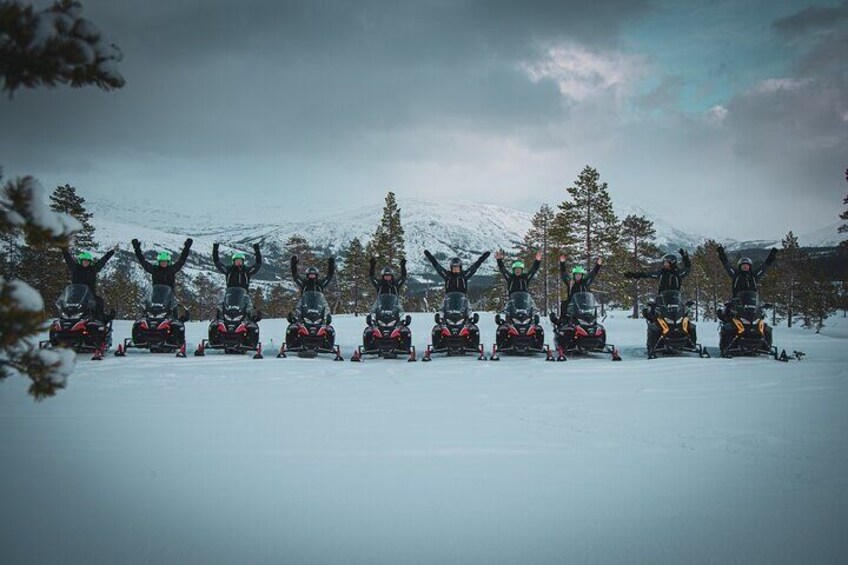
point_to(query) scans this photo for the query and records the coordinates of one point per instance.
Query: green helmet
(578, 270)
(164, 256)
(84, 256)
(238, 255)
(517, 265)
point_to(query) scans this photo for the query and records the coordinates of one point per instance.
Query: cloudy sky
(730, 116)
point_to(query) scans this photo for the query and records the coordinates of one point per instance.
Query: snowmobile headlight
(685, 323)
(740, 328)
(762, 327)
(663, 325)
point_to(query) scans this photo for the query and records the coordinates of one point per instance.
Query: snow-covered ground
(223, 459)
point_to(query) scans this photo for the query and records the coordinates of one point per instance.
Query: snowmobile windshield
(455, 307)
(387, 308)
(235, 300)
(672, 304)
(584, 302)
(160, 300)
(312, 307)
(520, 306)
(75, 301)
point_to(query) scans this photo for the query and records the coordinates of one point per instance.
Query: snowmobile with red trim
(78, 326)
(387, 332)
(456, 331)
(235, 328)
(744, 331)
(670, 330)
(578, 331)
(519, 331)
(310, 331)
(159, 329)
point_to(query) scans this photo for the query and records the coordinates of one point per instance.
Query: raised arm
(372, 267)
(687, 264)
(769, 260)
(184, 255)
(502, 269)
(258, 264)
(402, 280)
(563, 270)
(69, 261)
(476, 265)
(722, 256)
(331, 271)
(216, 259)
(534, 268)
(439, 269)
(590, 278)
(145, 264)
(105, 259)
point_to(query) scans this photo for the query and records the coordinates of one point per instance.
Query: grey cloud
(813, 18)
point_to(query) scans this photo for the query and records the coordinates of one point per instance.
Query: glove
(373, 261)
(720, 250)
(486, 254)
(773, 253)
(426, 253)
(136, 243)
(683, 252)
(189, 242)
(294, 259)
(256, 247)
(403, 262)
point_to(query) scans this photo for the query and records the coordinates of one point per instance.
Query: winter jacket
(238, 276)
(163, 275)
(456, 282)
(583, 285)
(745, 280)
(305, 284)
(387, 287)
(518, 283)
(670, 279)
(86, 275)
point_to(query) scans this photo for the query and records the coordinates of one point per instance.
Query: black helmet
(744, 261)
(312, 273)
(387, 271)
(671, 258)
(456, 262)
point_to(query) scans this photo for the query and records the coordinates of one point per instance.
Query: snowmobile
(77, 326)
(309, 332)
(159, 329)
(387, 333)
(578, 330)
(670, 331)
(456, 331)
(519, 331)
(744, 331)
(235, 328)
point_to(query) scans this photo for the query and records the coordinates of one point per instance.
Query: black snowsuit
(163, 275)
(305, 284)
(456, 282)
(670, 279)
(88, 276)
(387, 287)
(238, 276)
(518, 283)
(583, 285)
(745, 280)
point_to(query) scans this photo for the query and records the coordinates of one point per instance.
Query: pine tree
(708, 279)
(120, 289)
(844, 216)
(280, 302)
(208, 295)
(353, 281)
(783, 283)
(65, 199)
(538, 238)
(387, 243)
(818, 297)
(586, 225)
(299, 246)
(257, 300)
(638, 238)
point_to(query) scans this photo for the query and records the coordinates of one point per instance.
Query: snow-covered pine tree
(120, 288)
(65, 199)
(387, 244)
(781, 285)
(586, 226)
(638, 238)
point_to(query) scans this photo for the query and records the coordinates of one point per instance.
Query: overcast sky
(732, 116)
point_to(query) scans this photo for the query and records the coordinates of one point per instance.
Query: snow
(225, 459)
(27, 298)
(40, 214)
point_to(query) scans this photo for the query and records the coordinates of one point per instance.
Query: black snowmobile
(235, 328)
(519, 331)
(456, 331)
(160, 329)
(670, 331)
(578, 331)
(744, 331)
(387, 333)
(77, 326)
(309, 332)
